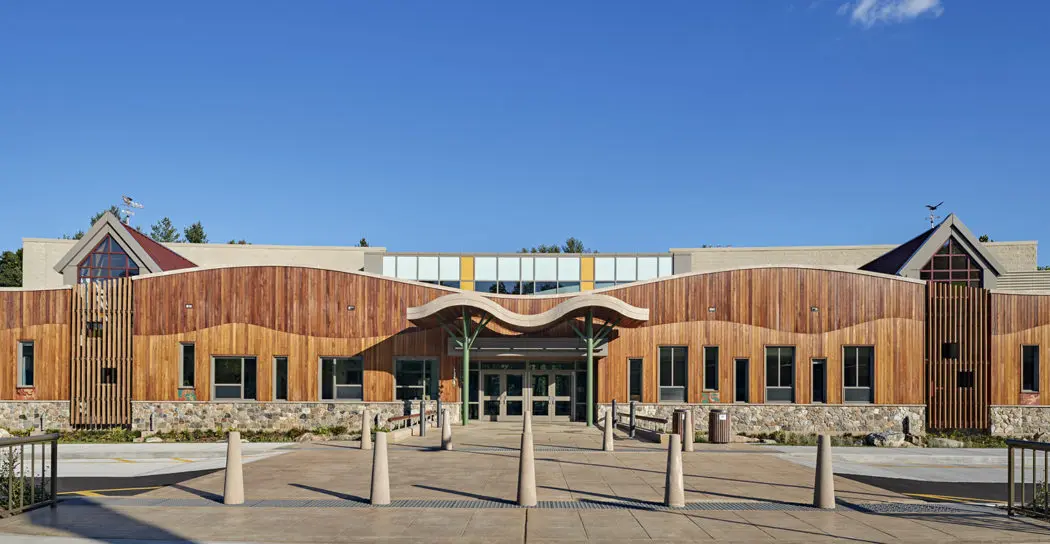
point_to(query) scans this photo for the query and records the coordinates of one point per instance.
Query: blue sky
(487, 126)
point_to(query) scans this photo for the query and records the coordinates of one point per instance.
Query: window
(820, 380)
(187, 364)
(1030, 368)
(964, 378)
(858, 366)
(94, 329)
(780, 374)
(107, 260)
(950, 350)
(25, 364)
(233, 378)
(280, 378)
(952, 264)
(741, 380)
(711, 368)
(109, 376)
(634, 379)
(342, 378)
(415, 379)
(673, 373)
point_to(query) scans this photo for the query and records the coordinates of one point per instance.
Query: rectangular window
(416, 379)
(710, 368)
(673, 373)
(233, 378)
(780, 374)
(342, 378)
(741, 380)
(109, 376)
(858, 365)
(94, 329)
(187, 364)
(820, 380)
(964, 378)
(25, 365)
(280, 378)
(634, 379)
(1030, 368)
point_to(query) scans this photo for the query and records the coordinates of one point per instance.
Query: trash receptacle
(718, 427)
(678, 421)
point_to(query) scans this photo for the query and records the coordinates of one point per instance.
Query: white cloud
(868, 13)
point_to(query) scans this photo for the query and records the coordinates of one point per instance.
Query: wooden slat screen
(961, 315)
(101, 345)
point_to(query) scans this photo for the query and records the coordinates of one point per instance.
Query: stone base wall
(1019, 421)
(266, 416)
(22, 415)
(801, 418)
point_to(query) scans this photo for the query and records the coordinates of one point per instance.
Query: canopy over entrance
(449, 308)
(445, 311)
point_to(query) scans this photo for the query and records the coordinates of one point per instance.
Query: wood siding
(958, 315)
(302, 313)
(43, 318)
(101, 362)
(1019, 320)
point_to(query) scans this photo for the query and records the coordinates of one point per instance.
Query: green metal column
(465, 396)
(589, 338)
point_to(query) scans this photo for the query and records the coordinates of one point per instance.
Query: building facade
(935, 333)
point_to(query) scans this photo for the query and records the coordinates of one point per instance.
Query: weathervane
(933, 217)
(127, 213)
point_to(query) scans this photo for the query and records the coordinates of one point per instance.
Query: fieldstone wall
(1019, 421)
(20, 415)
(802, 418)
(265, 416)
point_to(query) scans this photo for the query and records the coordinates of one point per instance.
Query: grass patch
(785, 438)
(970, 439)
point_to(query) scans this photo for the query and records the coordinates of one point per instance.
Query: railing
(655, 424)
(1038, 505)
(404, 422)
(28, 483)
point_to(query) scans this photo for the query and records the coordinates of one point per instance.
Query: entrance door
(551, 396)
(820, 383)
(502, 395)
(741, 381)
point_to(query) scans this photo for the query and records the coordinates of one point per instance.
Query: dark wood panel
(1019, 320)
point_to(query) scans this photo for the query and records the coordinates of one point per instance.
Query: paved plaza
(318, 492)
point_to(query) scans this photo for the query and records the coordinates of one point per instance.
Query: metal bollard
(440, 415)
(631, 426)
(422, 418)
(615, 415)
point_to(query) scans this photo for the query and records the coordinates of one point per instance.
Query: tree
(362, 243)
(1044, 267)
(164, 231)
(11, 268)
(241, 242)
(195, 234)
(572, 245)
(984, 238)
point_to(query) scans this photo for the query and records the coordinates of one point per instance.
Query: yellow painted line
(181, 460)
(97, 492)
(953, 499)
(119, 460)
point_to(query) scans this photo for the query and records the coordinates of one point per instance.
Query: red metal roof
(165, 258)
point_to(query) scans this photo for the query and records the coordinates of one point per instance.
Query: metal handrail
(1040, 505)
(29, 493)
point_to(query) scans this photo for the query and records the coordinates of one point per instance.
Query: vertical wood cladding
(1019, 320)
(43, 318)
(959, 356)
(302, 313)
(101, 356)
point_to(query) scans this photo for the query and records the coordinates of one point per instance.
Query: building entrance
(547, 389)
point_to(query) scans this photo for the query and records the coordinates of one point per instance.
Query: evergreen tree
(164, 231)
(11, 268)
(195, 234)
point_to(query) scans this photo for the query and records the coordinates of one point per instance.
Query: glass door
(491, 395)
(513, 396)
(561, 396)
(540, 394)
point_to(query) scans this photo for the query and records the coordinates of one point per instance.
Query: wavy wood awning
(448, 308)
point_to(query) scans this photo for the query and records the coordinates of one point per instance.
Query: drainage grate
(907, 508)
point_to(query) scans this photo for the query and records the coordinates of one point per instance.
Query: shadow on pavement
(96, 522)
(336, 494)
(464, 494)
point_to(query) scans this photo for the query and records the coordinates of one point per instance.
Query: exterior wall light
(189, 306)
(711, 309)
(350, 308)
(814, 309)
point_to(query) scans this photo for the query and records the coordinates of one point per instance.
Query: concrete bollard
(690, 432)
(446, 432)
(380, 493)
(366, 431)
(233, 489)
(824, 486)
(607, 432)
(526, 427)
(527, 471)
(674, 483)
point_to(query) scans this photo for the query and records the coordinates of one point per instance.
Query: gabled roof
(908, 258)
(151, 256)
(165, 258)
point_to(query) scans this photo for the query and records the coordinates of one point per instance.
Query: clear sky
(488, 126)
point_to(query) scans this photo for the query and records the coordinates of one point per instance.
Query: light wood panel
(43, 318)
(101, 343)
(1019, 320)
(958, 314)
